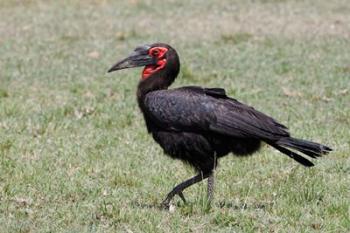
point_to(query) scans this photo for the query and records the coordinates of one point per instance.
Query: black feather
(309, 148)
(293, 155)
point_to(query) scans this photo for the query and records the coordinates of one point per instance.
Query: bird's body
(184, 122)
(200, 125)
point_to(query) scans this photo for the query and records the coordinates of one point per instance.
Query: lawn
(75, 155)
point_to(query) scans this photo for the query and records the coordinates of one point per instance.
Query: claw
(182, 197)
(165, 204)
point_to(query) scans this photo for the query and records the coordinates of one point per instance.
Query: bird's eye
(155, 52)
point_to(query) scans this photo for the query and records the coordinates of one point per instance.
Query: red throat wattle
(159, 53)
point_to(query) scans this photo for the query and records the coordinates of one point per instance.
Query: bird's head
(159, 60)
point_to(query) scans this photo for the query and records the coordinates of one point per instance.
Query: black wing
(209, 109)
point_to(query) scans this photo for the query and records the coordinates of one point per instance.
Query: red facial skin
(159, 53)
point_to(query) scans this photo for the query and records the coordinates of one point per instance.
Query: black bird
(200, 125)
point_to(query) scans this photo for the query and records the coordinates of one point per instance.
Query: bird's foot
(166, 202)
(165, 205)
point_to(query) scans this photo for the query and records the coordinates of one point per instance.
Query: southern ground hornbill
(200, 125)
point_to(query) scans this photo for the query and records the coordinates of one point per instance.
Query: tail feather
(308, 148)
(293, 155)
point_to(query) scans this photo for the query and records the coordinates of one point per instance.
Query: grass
(75, 155)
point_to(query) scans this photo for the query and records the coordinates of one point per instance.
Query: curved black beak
(137, 58)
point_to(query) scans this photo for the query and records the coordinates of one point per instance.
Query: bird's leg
(182, 197)
(211, 182)
(182, 186)
(211, 187)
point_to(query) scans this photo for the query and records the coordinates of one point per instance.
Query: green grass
(75, 155)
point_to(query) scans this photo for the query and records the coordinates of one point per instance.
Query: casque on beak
(139, 57)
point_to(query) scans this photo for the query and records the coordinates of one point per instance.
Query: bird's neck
(146, 86)
(158, 81)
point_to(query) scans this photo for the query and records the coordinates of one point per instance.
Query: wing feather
(199, 109)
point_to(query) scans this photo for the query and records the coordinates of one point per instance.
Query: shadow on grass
(243, 206)
(224, 204)
(140, 205)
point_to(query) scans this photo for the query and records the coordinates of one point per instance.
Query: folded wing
(200, 109)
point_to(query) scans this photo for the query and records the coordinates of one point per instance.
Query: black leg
(182, 197)
(211, 187)
(211, 182)
(182, 186)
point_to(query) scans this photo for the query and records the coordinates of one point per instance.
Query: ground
(75, 155)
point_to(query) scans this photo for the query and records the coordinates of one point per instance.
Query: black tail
(311, 149)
